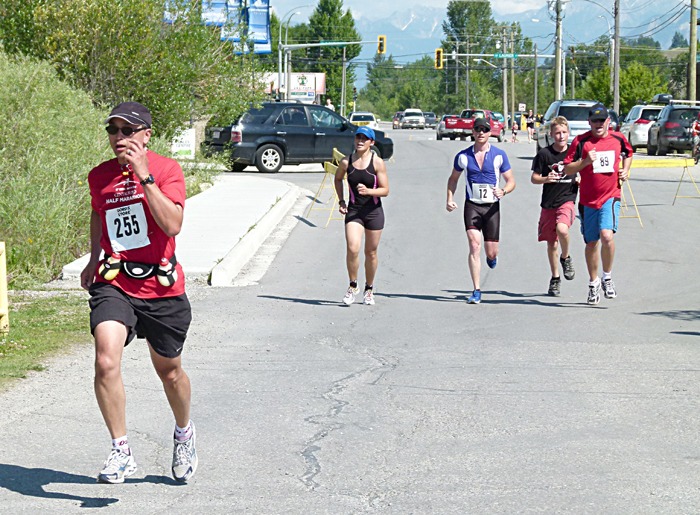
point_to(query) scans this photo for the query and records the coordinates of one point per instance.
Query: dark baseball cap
(482, 123)
(132, 112)
(598, 112)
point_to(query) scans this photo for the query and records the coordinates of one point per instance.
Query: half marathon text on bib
(482, 193)
(127, 227)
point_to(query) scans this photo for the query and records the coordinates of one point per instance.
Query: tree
(638, 83)
(679, 41)
(329, 23)
(123, 50)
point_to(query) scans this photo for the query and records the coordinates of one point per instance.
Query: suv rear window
(468, 113)
(575, 113)
(683, 114)
(362, 118)
(649, 114)
(257, 116)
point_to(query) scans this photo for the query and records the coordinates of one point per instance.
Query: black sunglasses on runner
(482, 129)
(126, 131)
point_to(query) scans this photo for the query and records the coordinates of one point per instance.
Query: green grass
(42, 323)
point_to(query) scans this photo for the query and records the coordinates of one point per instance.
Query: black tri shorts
(485, 218)
(370, 217)
(163, 322)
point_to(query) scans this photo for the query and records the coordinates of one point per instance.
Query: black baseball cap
(133, 113)
(598, 112)
(482, 123)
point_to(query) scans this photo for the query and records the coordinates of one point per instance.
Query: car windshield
(575, 113)
(684, 115)
(472, 114)
(413, 113)
(432, 115)
(362, 118)
(649, 114)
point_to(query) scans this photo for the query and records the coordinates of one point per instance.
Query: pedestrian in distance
(364, 214)
(329, 104)
(514, 136)
(136, 285)
(484, 165)
(530, 123)
(602, 159)
(558, 202)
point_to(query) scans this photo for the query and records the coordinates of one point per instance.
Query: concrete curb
(228, 268)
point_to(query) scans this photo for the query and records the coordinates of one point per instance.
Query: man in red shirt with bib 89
(595, 155)
(137, 288)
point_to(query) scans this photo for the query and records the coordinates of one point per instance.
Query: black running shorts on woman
(163, 322)
(364, 209)
(485, 218)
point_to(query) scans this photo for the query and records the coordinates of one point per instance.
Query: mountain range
(414, 33)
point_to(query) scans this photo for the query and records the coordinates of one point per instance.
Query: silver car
(636, 125)
(576, 113)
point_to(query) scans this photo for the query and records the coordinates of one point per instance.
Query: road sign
(505, 56)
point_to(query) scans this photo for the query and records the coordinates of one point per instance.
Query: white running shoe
(350, 295)
(185, 459)
(369, 297)
(594, 293)
(118, 466)
(609, 289)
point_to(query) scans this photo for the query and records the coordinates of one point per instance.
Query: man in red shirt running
(137, 288)
(596, 156)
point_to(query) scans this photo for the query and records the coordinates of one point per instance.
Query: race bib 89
(605, 162)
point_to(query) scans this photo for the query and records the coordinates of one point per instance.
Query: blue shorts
(595, 220)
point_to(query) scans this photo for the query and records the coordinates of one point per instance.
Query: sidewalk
(224, 226)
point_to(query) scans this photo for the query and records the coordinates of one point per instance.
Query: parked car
(575, 111)
(636, 125)
(671, 130)
(396, 122)
(498, 128)
(280, 133)
(363, 118)
(614, 120)
(413, 119)
(430, 119)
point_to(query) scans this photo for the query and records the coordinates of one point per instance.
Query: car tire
(438, 136)
(452, 138)
(501, 136)
(269, 158)
(238, 167)
(661, 150)
(634, 147)
(651, 149)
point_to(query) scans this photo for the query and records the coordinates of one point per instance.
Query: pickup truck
(461, 127)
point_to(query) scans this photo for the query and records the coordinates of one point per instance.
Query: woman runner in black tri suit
(367, 182)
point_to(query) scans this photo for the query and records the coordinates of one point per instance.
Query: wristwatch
(148, 180)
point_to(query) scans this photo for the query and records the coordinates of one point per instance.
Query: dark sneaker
(554, 287)
(185, 458)
(118, 466)
(492, 262)
(609, 289)
(475, 297)
(568, 267)
(593, 293)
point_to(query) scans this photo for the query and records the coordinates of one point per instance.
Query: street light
(288, 14)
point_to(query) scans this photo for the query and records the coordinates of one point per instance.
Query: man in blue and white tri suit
(484, 166)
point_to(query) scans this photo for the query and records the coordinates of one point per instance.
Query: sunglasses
(482, 129)
(126, 131)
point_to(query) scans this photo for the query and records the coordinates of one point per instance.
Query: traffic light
(438, 58)
(381, 44)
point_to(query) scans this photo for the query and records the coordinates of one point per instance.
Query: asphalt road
(419, 404)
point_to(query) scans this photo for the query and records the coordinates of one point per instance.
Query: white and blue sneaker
(119, 465)
(184, 458)
(475, 297)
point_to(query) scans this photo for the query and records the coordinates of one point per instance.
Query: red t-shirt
(128, 227)
(599, 182)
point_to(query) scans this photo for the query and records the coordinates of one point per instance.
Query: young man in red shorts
(595, 155)
(137, 288)
(558, 202)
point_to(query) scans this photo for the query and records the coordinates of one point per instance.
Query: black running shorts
(485, 218)
(372, 218)
(163, 322)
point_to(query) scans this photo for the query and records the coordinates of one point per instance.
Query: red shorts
(549, 218)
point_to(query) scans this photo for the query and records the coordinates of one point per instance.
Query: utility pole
(557, 53)
(616, 84)
(467, 73)
(512, 72)
(505, 78)
(535, 107)
(692, 64)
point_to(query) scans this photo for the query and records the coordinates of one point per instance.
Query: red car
(498, 128)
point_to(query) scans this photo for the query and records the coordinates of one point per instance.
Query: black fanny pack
(137, 270)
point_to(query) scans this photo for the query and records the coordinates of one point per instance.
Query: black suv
(672, 129)
(280, 133)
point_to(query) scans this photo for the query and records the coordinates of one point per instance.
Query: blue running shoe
(475, 297)
(492, 262)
